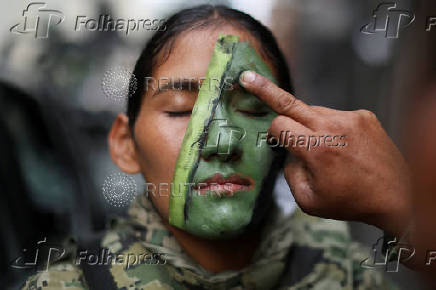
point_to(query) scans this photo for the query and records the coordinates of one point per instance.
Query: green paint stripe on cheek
(202, 113)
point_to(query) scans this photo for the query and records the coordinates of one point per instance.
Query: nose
(223, 141)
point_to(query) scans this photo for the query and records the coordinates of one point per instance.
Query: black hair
(196, 18)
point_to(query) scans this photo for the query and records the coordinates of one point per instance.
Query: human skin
(367, 180)
(153, 148)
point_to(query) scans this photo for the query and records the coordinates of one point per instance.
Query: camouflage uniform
(297, 252)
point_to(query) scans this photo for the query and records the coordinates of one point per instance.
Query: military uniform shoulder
(333, 260)
(319, 232)
(58, 276)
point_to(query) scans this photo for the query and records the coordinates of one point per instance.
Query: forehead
(192, 50)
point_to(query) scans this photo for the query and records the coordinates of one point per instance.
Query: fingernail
(248, 76)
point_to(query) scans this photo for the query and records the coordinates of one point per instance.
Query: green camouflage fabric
(297, 252)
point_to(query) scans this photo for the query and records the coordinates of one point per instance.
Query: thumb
(299, 180)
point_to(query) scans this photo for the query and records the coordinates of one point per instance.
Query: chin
(213, 234)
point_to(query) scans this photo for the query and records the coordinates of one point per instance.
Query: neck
(218, 255)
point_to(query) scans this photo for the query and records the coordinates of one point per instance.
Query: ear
(122, 147)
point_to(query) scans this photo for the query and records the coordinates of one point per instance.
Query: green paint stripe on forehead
(202, 113)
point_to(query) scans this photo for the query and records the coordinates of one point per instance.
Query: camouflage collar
(271, 253)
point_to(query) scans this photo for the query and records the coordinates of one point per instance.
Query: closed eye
(255, 114)
(176, 114)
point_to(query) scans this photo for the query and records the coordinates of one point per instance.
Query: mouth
(224, 186)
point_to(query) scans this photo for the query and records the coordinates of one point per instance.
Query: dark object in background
(29, 160)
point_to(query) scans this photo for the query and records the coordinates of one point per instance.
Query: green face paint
(221, 148)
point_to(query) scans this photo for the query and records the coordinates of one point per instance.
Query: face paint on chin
(222, 217)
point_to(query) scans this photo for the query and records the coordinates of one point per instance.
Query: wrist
(396, 214)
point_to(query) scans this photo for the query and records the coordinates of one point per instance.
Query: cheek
(159, 139)
(257, 157)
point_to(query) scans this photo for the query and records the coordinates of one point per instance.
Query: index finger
(278, 99)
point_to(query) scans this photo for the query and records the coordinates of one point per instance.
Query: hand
(361, 176)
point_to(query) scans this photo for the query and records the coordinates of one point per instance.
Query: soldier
(241, 240)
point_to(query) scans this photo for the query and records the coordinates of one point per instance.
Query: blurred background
(55, 116)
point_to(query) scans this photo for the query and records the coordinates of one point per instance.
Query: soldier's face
(240, 163)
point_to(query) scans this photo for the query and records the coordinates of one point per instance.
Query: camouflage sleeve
(58, 276)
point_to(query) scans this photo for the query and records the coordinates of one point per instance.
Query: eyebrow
(177, 85)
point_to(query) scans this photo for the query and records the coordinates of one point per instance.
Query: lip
(226, 186)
